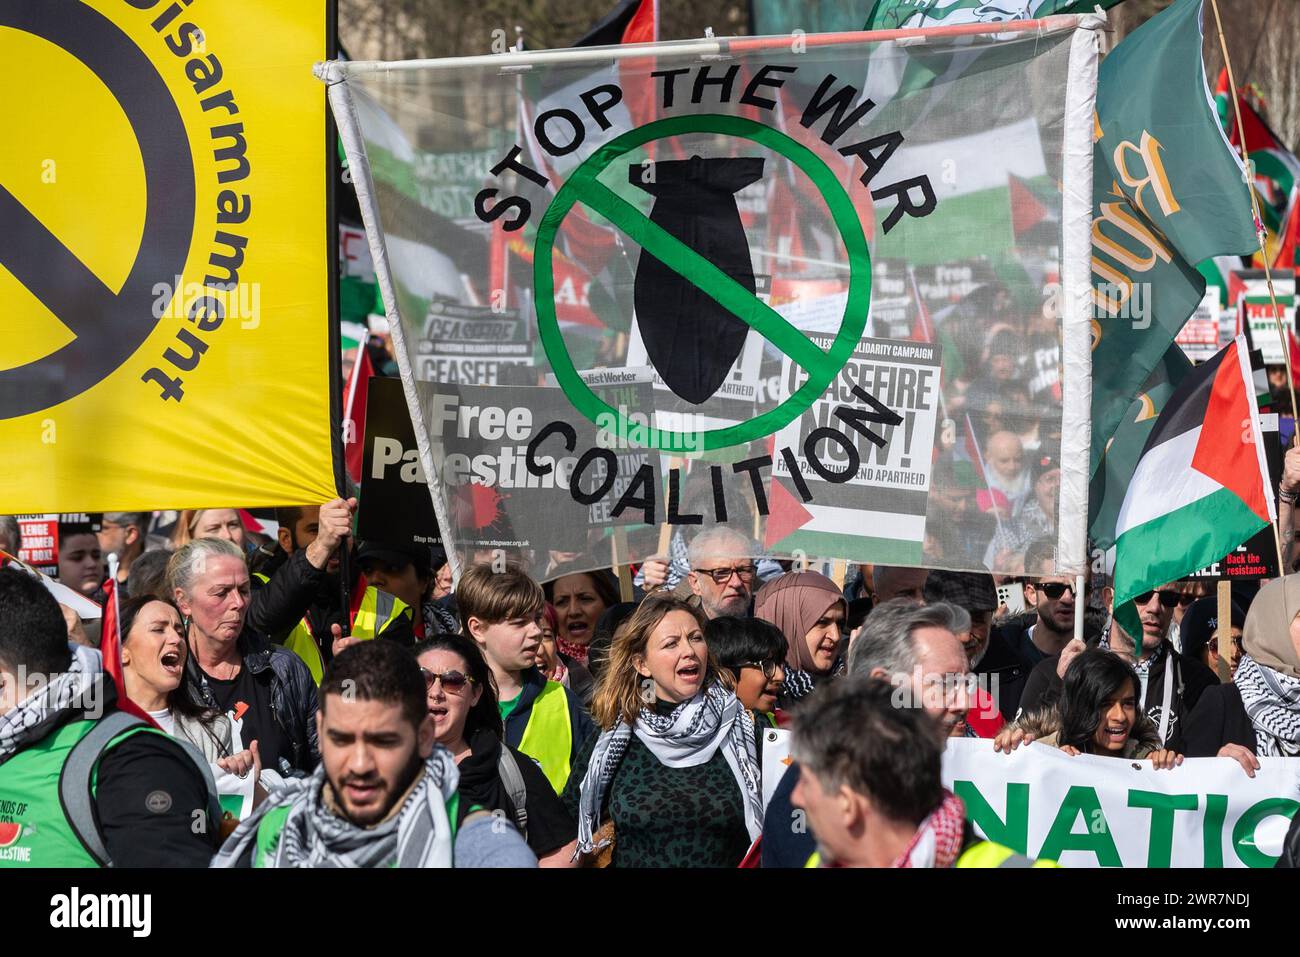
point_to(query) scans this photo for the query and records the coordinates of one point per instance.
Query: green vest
(35, 830)
(375, 615)
(548, 736)
(269, 828)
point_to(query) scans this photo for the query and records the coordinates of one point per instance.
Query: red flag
(354, 413)
(110, 647)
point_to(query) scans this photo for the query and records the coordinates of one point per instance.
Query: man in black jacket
(1171, 682)
(1020, 643)
(299, 583)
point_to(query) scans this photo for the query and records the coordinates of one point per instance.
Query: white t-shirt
(164, 720)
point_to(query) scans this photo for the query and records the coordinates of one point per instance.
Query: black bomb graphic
(691, 340)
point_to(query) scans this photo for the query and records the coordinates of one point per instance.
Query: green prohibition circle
(583, 186)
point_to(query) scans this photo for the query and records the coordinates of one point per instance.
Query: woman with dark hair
(754, 652)
(493, 776)
(557, 666)
(580, 598)
(153, 669)
(1097, 713)
(673, 765)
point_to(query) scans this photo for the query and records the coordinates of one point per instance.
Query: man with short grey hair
(11, 536)
(915, 649)
(722, 571)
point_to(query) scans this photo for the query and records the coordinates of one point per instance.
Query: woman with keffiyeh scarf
(1258, 713)
(810, 611)
(674, 765)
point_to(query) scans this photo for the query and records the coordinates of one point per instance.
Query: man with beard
(1020, 643)
(385, 792)
(722, 572)
(1171, 683)
(302, 577)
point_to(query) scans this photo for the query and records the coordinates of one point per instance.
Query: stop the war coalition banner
(163, 255)
(723, 209)
(1087, 811)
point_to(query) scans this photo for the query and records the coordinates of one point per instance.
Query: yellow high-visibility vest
(375, 615)
(548, 738)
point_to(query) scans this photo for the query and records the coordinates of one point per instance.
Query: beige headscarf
(794, 602)
(1267, 635)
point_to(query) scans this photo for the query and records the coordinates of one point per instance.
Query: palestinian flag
(1276, 168)
(1201, 486)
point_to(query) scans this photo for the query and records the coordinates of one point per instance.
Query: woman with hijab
(673, 765)
(1258, 712)
(810, 611)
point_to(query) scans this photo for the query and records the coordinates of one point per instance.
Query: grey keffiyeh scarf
(687, 738)
(75, 689)
(1272, 700)
(418, 835)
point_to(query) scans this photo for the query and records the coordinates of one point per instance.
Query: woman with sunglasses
(754, 652)
(1098, 713)
(467, 722)
(1258, 712)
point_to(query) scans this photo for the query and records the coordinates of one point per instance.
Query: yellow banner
(164, 323)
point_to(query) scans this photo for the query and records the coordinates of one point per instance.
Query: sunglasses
(768, 667)
(1168, 599)
(721, 576)
(1237, 645)
(1055, 590)
(452, 681)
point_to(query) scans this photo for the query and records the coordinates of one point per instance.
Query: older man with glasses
(722, 572)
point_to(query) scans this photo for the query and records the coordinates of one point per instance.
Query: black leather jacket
(293, 694)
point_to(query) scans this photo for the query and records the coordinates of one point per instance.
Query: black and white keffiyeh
(686, 738)
(1272, 700)
(78, 688)
(418, 835)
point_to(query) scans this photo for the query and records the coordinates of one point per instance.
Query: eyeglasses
(1055, 590)
(1186, 598)
(721, 576)
(452, 681)
(768, 667)
(1167, 598)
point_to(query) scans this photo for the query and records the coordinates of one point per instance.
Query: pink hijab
(793, 603)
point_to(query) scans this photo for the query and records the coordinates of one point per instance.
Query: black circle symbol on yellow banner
(108, 326)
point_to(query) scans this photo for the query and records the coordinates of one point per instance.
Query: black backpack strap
(75, 793)
(513, 779)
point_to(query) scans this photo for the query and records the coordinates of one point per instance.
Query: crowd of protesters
(507, 721)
